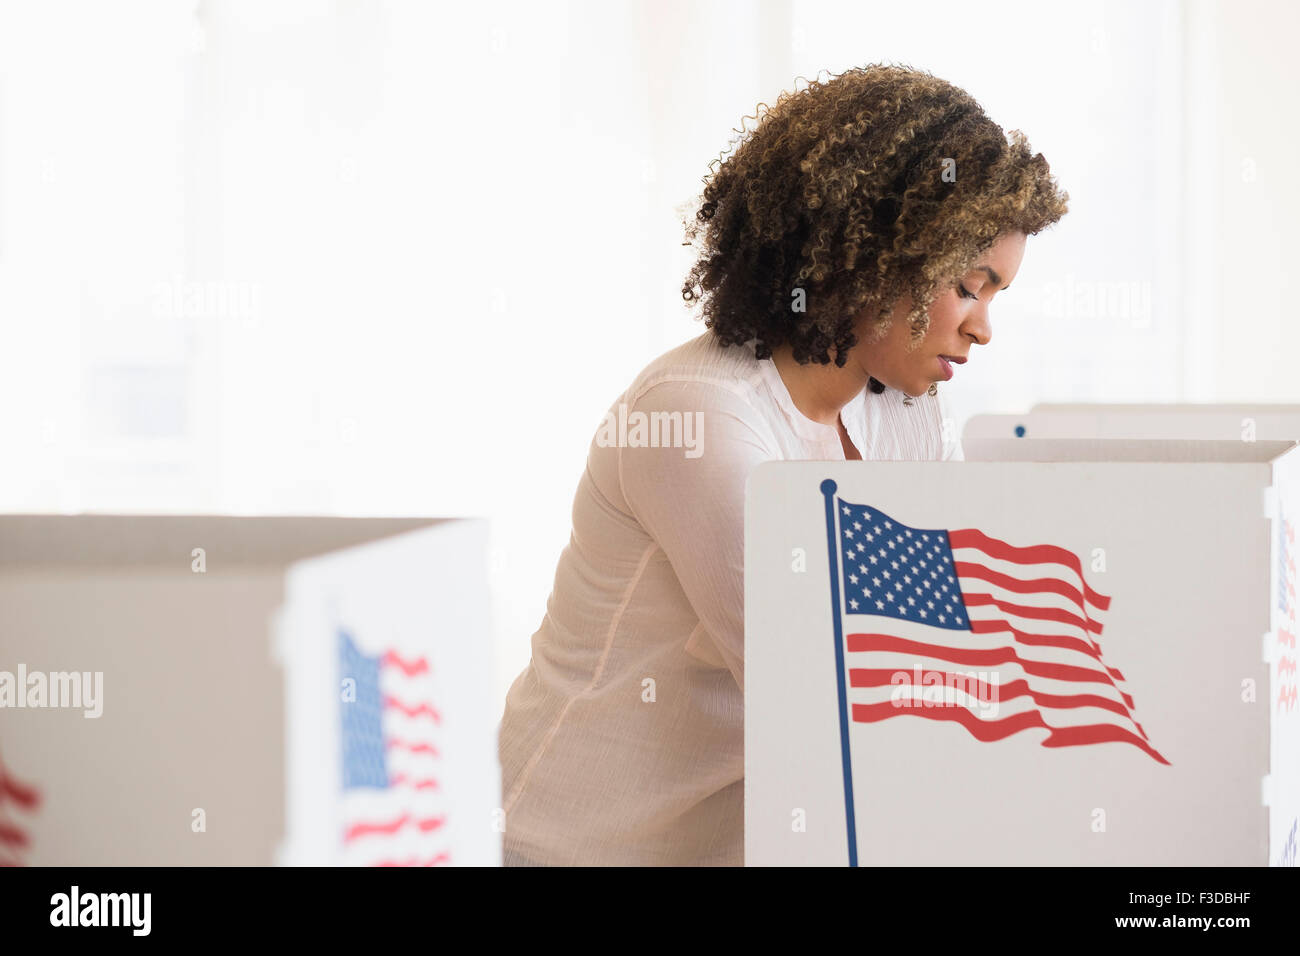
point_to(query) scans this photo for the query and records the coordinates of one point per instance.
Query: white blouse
(622, 741)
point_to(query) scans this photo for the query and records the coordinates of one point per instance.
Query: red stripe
(969, 569)
(1034, 554)
(863, 677)
(27, 797)
(401, 780)
(1098, 734)
(417, 666)
(414, 710)
(443, 857)
(991, 730)
(358, 830)
(859, 643)
(420, 748)
(1059, 615)
(991, 626)
(1062, 641)
(11, 835)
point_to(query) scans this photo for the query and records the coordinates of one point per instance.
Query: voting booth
(407, 774)
(214, 690)
(1070, 652)
(1215, 422)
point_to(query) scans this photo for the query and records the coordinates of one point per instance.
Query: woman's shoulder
(703, 362)
(695, 393)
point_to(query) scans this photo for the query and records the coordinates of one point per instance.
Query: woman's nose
(977, 325)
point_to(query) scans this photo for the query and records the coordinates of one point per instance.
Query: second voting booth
(247, 690)
(1055, 652)
(1191, 420)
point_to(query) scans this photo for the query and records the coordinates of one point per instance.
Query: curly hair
(848, 195)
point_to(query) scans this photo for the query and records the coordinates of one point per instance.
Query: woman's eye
(966, 293)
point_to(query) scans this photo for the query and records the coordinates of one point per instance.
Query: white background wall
(268, 256)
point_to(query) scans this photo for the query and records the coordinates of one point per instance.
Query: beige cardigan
(622, 741)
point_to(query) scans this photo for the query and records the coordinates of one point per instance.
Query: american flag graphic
(393, 812)
(1285, 676)
(1288, 855)
(17, 800)
(958, 626)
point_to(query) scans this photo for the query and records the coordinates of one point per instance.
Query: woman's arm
(694, 507)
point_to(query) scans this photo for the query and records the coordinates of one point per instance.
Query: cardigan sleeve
(691, 502)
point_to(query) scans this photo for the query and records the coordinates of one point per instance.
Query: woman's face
(959, 319)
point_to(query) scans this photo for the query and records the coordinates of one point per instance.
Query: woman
(850, 249)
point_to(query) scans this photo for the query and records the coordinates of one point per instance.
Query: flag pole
(833, 551)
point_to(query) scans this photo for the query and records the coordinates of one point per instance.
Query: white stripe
(906, 667)
(991, 709)
(1047, 600)
(1031, 625)
(1028, 572)
(969, 640)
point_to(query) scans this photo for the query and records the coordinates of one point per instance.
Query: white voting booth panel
(1262, 422)
(1112, 681)
(1172, 408)
(387, 646)
(168, 624)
